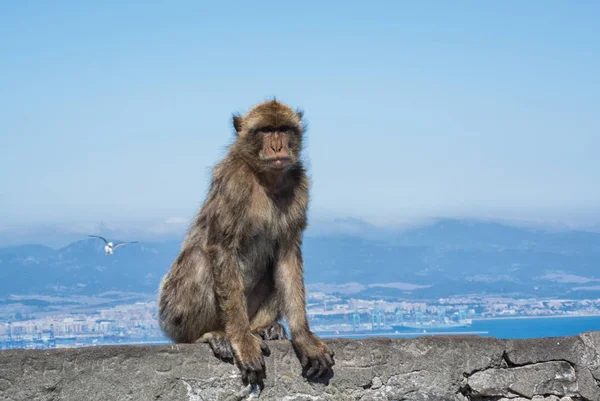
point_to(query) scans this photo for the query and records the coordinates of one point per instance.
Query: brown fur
(240, 267)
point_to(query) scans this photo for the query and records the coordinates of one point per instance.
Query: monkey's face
(271, 135)
(277, 146)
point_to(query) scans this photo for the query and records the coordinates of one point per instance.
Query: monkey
(240, 267)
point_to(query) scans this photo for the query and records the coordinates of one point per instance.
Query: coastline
(530, 317)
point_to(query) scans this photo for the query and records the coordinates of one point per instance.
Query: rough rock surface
(426, 368)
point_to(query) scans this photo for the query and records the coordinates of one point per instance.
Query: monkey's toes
(254, 377)
(221, 347)
(274, 331)
(265, 349)
(318, 365)
(253, 372)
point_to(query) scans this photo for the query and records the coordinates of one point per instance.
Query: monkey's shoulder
(231, 181)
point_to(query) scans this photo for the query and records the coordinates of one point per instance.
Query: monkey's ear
(300, 114)
(237, 123)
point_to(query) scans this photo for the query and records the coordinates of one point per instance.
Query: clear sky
(117, 110)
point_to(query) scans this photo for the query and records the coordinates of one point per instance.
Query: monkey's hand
(315, 356)
(273, 331)
(219, 343)
(249, 357)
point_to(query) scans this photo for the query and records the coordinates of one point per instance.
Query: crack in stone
(511, 364)
(506, 363)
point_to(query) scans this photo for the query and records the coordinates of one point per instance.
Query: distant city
(330, 316)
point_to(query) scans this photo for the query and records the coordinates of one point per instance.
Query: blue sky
(117, 110)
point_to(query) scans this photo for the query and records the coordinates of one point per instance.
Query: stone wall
(426, 368)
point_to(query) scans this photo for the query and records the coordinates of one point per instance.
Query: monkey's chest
(257, 259)
(261, 246)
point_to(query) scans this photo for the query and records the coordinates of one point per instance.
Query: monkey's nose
(276, 145)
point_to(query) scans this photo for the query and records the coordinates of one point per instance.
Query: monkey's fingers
(304, 360)
(329, 358)
(214, 346)
(253, 374)
(314, 368)
(319, 366)
(272, 332)
(276, 332)
(265, 349)
(321, 371)
(324, 364)
(252, 378)
(221, 347)
(261, 375)
(260, 378)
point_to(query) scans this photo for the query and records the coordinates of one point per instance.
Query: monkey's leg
(315, 355)
(265, 322)
(186, 304)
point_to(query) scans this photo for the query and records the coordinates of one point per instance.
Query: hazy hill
(444, 258)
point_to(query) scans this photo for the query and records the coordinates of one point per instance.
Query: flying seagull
(110, 247)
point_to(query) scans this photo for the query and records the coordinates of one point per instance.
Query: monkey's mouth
(279, 162)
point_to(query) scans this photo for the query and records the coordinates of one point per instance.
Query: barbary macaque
(240, 267)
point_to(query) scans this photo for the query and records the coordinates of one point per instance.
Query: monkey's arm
(289, 280)
(229, 289)
(225, 208)
(225, 219)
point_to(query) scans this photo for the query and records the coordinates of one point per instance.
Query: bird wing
(123, 243)
(97, 236)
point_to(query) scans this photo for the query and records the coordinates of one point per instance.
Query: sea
(504, 328)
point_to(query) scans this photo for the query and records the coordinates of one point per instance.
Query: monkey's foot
(273, 331)
(219, 343)
(315, 356)
(250, 360)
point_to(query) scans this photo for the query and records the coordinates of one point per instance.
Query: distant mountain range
(446, 257)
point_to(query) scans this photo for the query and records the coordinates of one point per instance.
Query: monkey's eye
(263, 130)
(285, 130)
